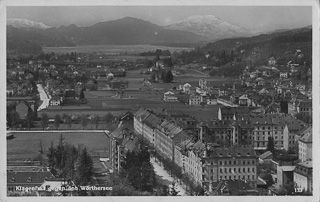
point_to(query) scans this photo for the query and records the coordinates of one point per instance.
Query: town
(228, 118)
(254, 131)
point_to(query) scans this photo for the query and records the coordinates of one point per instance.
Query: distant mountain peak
(210, 26)
(24, 23)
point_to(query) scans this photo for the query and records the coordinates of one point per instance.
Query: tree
(284, 106)
(29, 119)
(95, 120)
(108, 118)
(84, 168)
(51, 156)
(84, 121)
(81, 95)
(57, 120)
(269, 179)
(138, 169)
(165, 190)
(15, 119)
(67, 120)
(270, 145)
(169, 77)
(173, 191)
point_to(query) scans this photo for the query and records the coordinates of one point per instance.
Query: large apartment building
(207, 164)
(273, 125)
(305, 145)
(162, 134)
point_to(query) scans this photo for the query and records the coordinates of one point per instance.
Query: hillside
(281, 45)
(228, 44)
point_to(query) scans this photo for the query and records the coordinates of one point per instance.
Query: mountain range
(211, 27)
(24, 23)
(29, 36)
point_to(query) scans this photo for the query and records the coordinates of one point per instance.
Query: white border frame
(315, 80)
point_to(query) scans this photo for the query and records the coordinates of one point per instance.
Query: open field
(27, 145)
(111, 49)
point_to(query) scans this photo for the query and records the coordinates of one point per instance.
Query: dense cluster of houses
(61, 83)
(263, 93)
(223, 149)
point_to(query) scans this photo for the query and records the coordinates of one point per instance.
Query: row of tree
(83, 120)
(71, 163)
(173, 169)
(165, 76)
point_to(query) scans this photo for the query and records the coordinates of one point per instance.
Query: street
(161, 172)
(43, 97)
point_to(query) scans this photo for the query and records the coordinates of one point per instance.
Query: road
(199, 72)
(43, 96)
(161, 172)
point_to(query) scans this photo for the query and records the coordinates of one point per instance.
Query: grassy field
(27, 145)
(111, 49)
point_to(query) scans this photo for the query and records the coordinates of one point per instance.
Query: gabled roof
(168, 93)
(232, 152)
(307, 137)
(305, 103)
(265, 155)
(198, 147)
(186, 144)
(28, 178)
(194, 96)
(130, 143)
(307, 164)
(236, 187)
(234, 110)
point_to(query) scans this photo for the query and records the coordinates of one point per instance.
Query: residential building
(272, 61)
(55, 101)
(289, 133)
(283, 75)
(272, 125)
(195, 99)
(26, 179)
(302, 176)
(216, 132)
(284, 174)
(229, 113)
(211, 100)
(161, 133)
(181, 153)
(244, 100)
(305, 107)
(186, 88)
(167, 135)
(169, 96)
(242, 131)
(234, 188)
(120, 138)
(305, 145)
(233, 163)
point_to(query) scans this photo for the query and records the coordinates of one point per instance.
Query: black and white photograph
(177, 99)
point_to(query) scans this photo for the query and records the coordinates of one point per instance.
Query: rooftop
(307, 164)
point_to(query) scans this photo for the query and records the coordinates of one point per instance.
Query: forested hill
(281, 45)
(302, 34)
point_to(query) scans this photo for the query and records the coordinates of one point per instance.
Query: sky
(254, 18)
